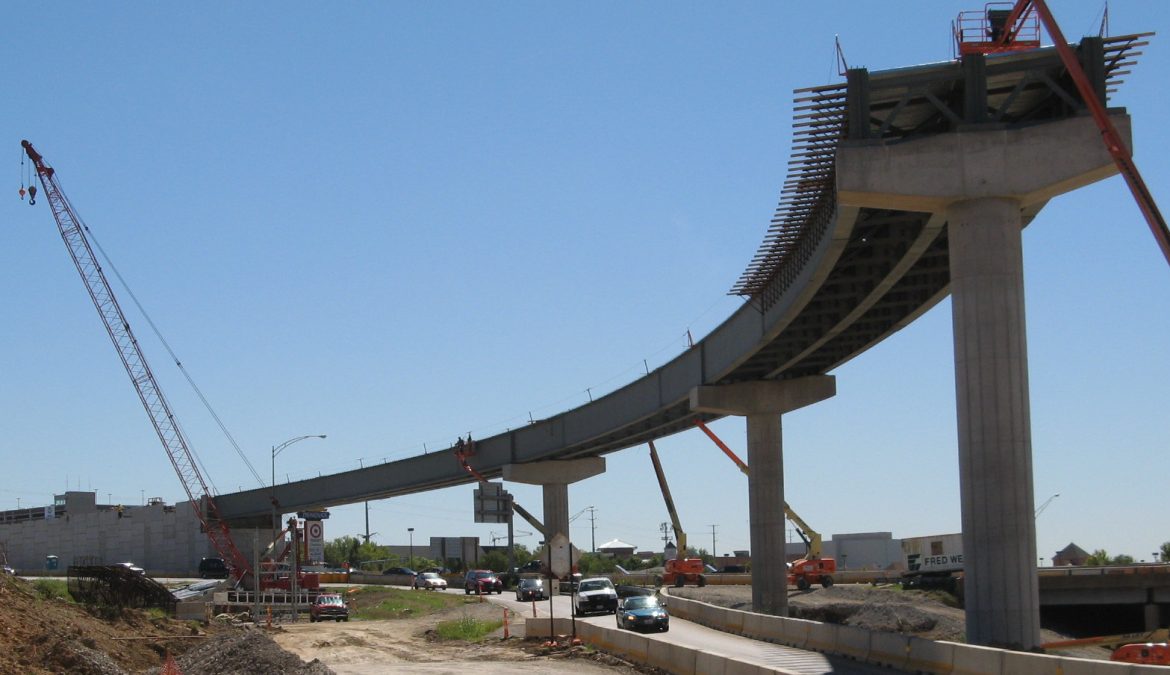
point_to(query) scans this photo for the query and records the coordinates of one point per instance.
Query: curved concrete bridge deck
(835, 274)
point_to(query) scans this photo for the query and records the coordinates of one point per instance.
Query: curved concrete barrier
(889, 650)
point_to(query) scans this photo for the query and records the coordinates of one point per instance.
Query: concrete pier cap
(554, 476)
(1031, 164)
(554, 471)
(763, 396)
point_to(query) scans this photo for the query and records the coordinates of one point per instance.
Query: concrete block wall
(161, 539)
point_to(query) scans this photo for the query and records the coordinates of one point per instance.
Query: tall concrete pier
(763, 403)
(984, 178)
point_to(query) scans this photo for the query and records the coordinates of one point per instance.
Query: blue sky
(395, 223)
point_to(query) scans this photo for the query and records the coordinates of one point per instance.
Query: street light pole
(276, 449)
(410, 531)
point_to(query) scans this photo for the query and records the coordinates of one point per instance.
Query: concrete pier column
(556, 508)
(555, 476)
(982, 178)
(763, 403)
(995, 439)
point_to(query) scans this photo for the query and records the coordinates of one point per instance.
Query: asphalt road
(693, 635)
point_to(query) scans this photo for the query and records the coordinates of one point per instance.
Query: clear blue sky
(395, 223)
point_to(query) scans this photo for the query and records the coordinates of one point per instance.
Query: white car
(595, 595)
(430, 581)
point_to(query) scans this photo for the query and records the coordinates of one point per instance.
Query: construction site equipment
(813, 568)
(1017, 29)
(997, 28)
(73, 232)
(1159, 635)
(680, 570)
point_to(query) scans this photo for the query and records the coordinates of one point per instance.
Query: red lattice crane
(73, 232)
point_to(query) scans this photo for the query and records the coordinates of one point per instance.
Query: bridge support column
(763, 403)
(555, 476)
(993, 414)
(988, 181)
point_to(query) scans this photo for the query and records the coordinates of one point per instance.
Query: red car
(482, 581)
(328, 606)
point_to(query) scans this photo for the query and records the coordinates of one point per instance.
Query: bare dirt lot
(40, 635)
(410, 646)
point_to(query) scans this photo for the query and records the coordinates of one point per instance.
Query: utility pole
(665, 528)
(593, 530)
(368, 534)
(713, 544)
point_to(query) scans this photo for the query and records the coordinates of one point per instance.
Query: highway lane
(693, 635)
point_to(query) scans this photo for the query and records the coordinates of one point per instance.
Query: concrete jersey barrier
(892, 650)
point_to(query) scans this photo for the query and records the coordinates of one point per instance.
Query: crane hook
(22, 193)
(32, 195)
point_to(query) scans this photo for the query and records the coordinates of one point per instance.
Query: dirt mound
(40, 635)
(245, 652)
(919, 613)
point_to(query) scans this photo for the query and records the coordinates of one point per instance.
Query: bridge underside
(829, 282)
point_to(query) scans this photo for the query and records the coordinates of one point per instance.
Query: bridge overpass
(904, 186)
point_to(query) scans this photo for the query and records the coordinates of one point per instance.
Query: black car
(213, 568)
(482, 581)
(643, 611)
(531, 588)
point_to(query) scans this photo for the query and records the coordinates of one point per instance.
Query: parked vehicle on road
(328, 606)
(531, 588)
(430, 581)
(399, 576)
(643, 612)
(482, 581)
(595, 595)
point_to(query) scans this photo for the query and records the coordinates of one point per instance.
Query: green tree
(1165, 551)
(595, 563)
(1122, 559)
(1098, 558)
(496, 561)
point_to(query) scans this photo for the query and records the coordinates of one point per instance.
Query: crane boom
(73, 232)
(812, 539)
(679, 535)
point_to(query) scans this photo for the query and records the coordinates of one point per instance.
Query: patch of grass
(52, 589)
(391, 603)
(467, 629)
(156, 613)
